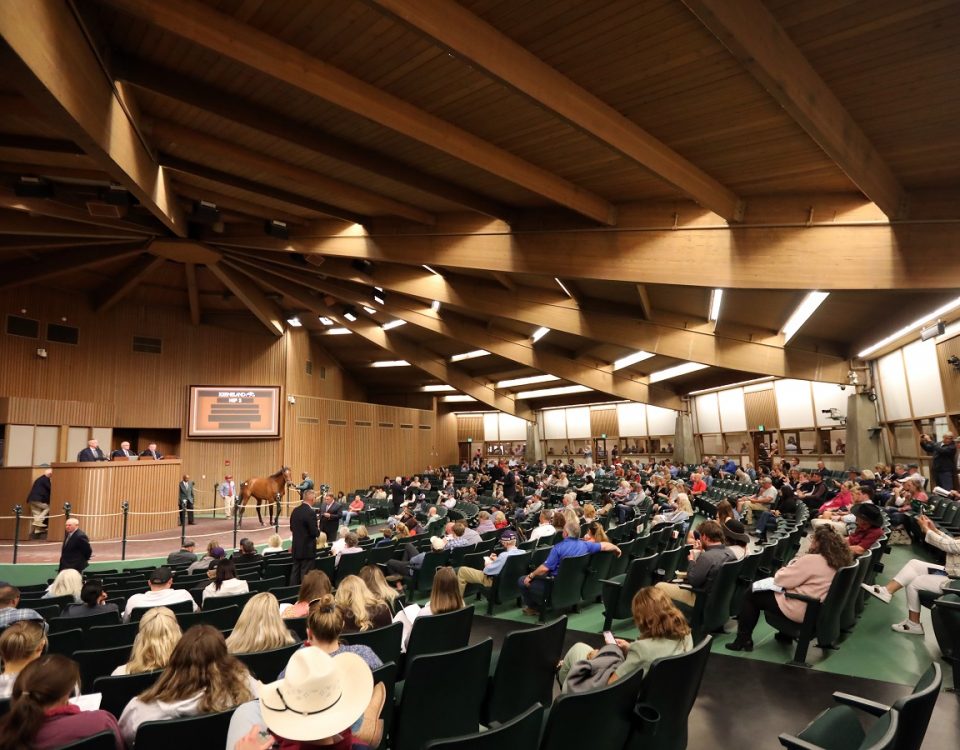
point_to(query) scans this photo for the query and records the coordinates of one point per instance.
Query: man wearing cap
(228, 491)
(161, 594)
(759, 502)
(944, 458)
(492, 565)
(869, 527)
(185, 555)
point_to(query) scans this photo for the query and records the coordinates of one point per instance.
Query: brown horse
(266, 491)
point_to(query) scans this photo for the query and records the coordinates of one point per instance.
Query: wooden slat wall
(604, 422)
(761, 409)
(949, 377)
(348, 444)
(446, 440)
(328, 379)
(469, 427)
(16, 483)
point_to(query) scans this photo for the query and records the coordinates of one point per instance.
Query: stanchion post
(183, 522)
(236, 517)
(125, 507)
(17, 511)
(66, 511)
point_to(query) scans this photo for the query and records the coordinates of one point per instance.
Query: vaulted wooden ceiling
(596, 167)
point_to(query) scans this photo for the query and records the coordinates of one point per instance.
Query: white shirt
(544, 529)
(157, 599)
(228, 588)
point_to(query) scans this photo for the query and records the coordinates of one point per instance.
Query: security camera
(291, 400)
(42, 353)
(843, 387)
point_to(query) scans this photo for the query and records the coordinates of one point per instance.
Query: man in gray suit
(186, 499)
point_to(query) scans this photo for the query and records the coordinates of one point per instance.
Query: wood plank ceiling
(596, 167)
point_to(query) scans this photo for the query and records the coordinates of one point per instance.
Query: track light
(350, 313)
(539, 334)
(378, 296)
(33, 187)
(278, 229)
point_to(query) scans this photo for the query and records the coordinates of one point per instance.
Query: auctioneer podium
(95, 491)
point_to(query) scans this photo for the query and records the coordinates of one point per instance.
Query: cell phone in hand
(608, 637)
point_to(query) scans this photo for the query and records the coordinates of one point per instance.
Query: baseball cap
(509, 535)
(217, 552)
(161, 575)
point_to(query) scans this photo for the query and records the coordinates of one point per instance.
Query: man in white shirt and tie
(228, 491)
(123, 451)
(92, 452)
(152, 452)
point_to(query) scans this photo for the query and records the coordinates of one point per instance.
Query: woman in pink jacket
(810, 575)
(843, 499)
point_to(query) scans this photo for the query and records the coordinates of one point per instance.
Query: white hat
(319, 696)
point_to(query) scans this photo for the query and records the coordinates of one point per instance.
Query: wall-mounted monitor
(228, 411)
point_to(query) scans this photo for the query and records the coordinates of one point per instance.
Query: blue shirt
(569, 548)
(494, 568)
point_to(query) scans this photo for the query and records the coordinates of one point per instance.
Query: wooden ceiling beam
(39, 143)
(225, 152)
(419, 356)
(176, 164)
(53, 172)
(467, 36)
(250, 209)
(57, 210)
(755, 38)
(644, 299)
(265, 310)
(120, 286)
(764, 355)
(859, 256)
(50, 265)
(52, 62)
(255, 49)
(173, 85)
(506, 344)
(23, 223)
(193, 295)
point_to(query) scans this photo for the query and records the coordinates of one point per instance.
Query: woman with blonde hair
(500, 520)
(68, 582)
(663, 631)
(400, 531)
(595, 533)
(377, 583)
(589, 512)
(314, 585)
(361, 608)
(322, 541)
(156, 638)
(201, 678)
(259, 627)
(274, 544)
(362, 532)
(21, 643)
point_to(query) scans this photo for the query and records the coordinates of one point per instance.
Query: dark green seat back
(350, 565)
(100, 741)
(106, 636)
(99, 663)
(219, 602)
(207, 730)
(848, 615)
(59, 624)
(65, 642)
(116, 692)
(266, 665)
(568, 583)
(385, 642)
(520, 733)
(597, 569)
(222, 618)
(617, 595)
(432, 634)
(506, 584)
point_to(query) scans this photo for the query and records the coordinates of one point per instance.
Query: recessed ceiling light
(676, 371)
(631, 359)
(294, 322)
(430, 270)
(539, 333)
(437, 388)
(804, 310)
(435, 305)
(338, 331)
(527, 381)
(561, 391)
(716, 299)
(391, 363)
(470, 355)
(325, 320)
(369, 310)
(456, 399)
(915, 325)
(393, 324)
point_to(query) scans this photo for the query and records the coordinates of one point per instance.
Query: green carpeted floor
(871, 651)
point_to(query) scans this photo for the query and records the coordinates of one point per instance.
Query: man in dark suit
(304, 532)
(92, 452)
(39, 502)
(186, 499)
(396, 490)
(123, 451)
(76, 550)
(152, 452)
(329, 512)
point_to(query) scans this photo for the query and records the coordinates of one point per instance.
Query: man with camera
(944, 458)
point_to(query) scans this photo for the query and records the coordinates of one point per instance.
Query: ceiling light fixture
(325, 320)
(470, 355)
(430, 270)
(565, 290)
(294, 322)
(539, 334)
(369, 310)
(716, 299)
(391, 363)
(435, 305)
(527, 381)
(561, 391)
(378, 296)
(393, 324)
(436, 388)
(339, 331)
(804, 310)
(915, 325)
(676, 371)
(459, 398)
(631, 359)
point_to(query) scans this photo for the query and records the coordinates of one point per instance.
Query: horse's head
(285, 472)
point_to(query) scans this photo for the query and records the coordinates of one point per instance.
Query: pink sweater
(808, 575)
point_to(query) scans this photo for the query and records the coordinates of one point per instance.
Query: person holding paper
(810, 575)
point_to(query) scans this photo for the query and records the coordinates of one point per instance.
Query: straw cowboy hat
(319, 696)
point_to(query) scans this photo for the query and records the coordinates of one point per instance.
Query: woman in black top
(93, 601)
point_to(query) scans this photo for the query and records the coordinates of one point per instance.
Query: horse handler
(228, 491)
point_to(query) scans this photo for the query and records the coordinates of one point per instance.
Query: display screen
(221, 411)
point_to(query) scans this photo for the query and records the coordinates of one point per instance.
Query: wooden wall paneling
(16, 483)
(949, 376)
(761, 409)
(604, 422)
(205, 462)
(445, 440)
(469, 426)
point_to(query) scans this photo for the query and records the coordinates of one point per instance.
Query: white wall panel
(103, 435)
(555, 424)
(923, 377)
(794, 404)
(829, 396)
(632, 419)
(893, 383)
(578, 422)
(708, 413)
(512, 428)
(19, 447)
(733, 415)
(661, 421)
(76, 441)
(45, 445)
(491, 427)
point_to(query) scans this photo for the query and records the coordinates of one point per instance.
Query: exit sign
(760, 427)
(603, 436)
(469, 440)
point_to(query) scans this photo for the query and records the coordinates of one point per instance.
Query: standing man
(76, 550)
(329, 513)
(510, 484)
(944, 458)
(186, 499)
(304, 533)
(152, 452)
(39, 502)
(123, 451)
(228, 491)
(396, 491)
(91, 453)
(306, 483)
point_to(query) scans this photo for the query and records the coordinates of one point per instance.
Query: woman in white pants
(917, 576)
